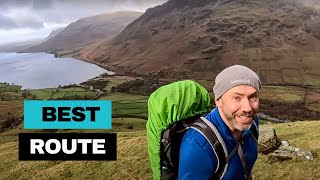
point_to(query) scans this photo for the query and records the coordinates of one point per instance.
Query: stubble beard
(232, 120)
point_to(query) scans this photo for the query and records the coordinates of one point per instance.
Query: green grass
(114, 83)
(59, 94)
(118, 125)
(133, 163)
(263, 122)
(128, 124)
(288, 94)
(73, 89)
(2, 85)
(8, 88)
(42, 94)
(312, 75)
(132, 153)
(311, 79)
(81, 93)
(125, 97)
(298, 134)
(130, 107)
(128, 104)
(56, 93)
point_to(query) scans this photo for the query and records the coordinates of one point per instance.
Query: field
(126, 105)
(59, 93)
(132, 160)
(283, 93)
(5, 87)
(116, 80)
(12, 97)
(129, 121)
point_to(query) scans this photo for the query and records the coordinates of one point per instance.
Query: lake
(42, 70)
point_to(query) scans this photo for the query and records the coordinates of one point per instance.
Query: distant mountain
(279, 39)
(22, 45)
(19, 46)
(87, 30)
(54, 33)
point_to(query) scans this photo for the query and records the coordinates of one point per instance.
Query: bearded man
(236, 93)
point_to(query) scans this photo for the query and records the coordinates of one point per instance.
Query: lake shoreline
(43, 70)
(58, 54)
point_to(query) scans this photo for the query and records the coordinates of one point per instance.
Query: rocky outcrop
(287, 152)
(277, 150)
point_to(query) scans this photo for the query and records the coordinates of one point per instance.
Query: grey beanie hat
(234, 76)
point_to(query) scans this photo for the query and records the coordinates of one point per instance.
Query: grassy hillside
(298, 134)
(133, 163)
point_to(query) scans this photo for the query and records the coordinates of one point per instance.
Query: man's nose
(246, 106)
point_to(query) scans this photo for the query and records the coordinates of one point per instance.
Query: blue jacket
(198, 161)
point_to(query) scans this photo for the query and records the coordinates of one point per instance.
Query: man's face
(238, 106)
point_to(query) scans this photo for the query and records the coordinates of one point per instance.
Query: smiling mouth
(246, 119)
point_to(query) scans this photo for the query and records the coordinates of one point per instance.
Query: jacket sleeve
(197, 159)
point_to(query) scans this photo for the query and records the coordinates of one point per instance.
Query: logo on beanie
(240, 81)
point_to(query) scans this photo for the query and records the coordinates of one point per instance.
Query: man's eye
(254, 98)
(237, 98)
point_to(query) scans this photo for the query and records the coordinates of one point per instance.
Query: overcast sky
(30, 19)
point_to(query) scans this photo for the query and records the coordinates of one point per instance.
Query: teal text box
(33, 118)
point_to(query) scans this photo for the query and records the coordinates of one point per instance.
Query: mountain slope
(280, 39)
(87, 30)
(53, 33)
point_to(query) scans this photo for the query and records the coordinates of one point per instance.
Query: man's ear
(218, 102)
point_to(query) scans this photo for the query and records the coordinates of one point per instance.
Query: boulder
(268, 140)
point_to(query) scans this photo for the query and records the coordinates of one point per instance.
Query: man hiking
(234, 118)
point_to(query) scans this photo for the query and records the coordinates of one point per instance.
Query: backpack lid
(168, 105)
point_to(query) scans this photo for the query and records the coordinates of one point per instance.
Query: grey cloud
(45, 4)
(31, 23)
(41, 4)
(7, 23)
(15, 3)
(64, 11)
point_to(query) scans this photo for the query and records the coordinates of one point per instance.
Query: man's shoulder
(196, 149)
(194, 137)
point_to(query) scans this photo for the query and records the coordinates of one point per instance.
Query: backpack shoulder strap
(212, 135)
(254, 131)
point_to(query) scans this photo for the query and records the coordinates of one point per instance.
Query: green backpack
(169, 107)
(174, 108)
